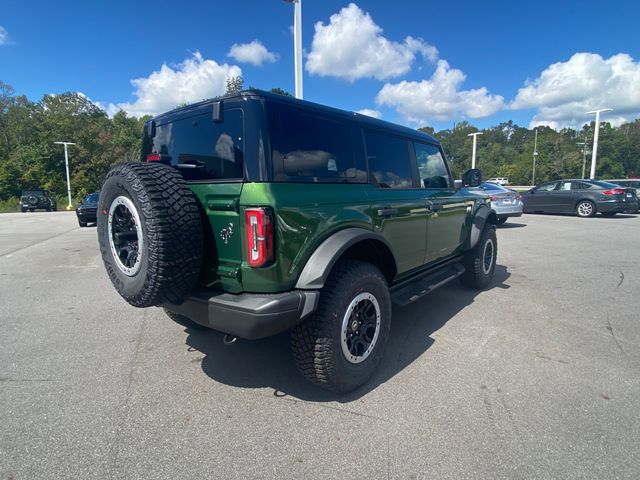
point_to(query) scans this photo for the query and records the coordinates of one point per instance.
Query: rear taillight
(258, 224)
(154, 157)
(615, 191)
(493, 198)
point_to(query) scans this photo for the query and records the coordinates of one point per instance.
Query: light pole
(297, 44)
(473, 156)
(596, 134)
(535, 154)
(584, 154)
(66, 164)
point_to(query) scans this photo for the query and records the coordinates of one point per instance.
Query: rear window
(32, 192)
(602, 184)
(204, 150)
(311, 146)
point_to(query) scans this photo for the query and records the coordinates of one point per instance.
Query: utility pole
(535, 154)
(297, 44)
(596, 134)
(473, 156)
(584, 154)
(66, 164)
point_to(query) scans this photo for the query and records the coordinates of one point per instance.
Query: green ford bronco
(256, 213)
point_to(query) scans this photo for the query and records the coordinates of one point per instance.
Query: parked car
(37, 199)
(504, 201)
(257, 213)
(502, 181)
(585, 198)
(86, 211)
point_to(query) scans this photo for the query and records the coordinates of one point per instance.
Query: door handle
(387, 212)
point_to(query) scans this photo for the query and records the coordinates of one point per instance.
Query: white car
(499, 180)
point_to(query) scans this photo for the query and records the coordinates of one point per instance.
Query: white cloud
(351, 46)
(191, 81)
(439, 98)
(254, 53)
(564, 91)
(4, 36)
(370, 112)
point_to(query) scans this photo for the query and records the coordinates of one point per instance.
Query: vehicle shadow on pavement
(268, 363)
(508, 225)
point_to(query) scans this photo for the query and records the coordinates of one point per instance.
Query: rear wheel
(585, 208)
(480, 261)
(23, 210)
(150, 233)
(343, 342)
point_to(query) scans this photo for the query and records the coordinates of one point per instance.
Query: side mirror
(472, 178)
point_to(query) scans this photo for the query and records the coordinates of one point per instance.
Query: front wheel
(340, 346)
(585, 208)
(480, 261)
(81, 223)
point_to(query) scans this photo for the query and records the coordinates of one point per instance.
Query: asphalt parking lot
(536, 377)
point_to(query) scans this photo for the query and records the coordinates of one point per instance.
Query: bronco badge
(226, 233)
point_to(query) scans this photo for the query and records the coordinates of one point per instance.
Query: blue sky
(412, 62)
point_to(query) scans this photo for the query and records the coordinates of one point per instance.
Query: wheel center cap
(354, 325)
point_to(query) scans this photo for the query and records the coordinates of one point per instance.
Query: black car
(37, 199)
(86, 211)
(585, 198)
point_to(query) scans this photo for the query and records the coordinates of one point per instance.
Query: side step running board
(405, 294)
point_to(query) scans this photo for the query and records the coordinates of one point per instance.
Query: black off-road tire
(184, 321)
(478, 271)
(316, 343)
(23, 210)
(171, 255)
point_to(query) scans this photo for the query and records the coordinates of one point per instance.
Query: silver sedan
(505, 202)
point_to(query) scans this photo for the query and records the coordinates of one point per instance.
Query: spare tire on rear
(150, 233)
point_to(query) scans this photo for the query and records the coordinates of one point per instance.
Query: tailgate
(223, 247)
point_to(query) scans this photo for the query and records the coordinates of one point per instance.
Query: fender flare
(479, 220)
(319, 266)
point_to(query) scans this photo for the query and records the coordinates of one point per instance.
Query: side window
(310, 145)
(565, 186)
(546, 187)
(389, 162)
(202, 148)
(431, 166)
(578, 186)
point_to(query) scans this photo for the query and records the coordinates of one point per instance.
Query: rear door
(447, 209)
(399, 209)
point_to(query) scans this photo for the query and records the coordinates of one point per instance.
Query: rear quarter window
(311, 146)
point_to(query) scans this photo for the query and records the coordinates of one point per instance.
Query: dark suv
(257, 213)
(37, 199)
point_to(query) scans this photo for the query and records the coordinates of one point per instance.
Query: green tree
(234, 85)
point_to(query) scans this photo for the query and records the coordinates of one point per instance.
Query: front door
(398, 207)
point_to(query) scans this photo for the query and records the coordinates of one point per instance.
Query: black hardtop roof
(365, 120)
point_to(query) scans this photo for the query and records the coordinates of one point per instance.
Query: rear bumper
(611, 206)
(248, 315)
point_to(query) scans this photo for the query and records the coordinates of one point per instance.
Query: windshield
(92, 198)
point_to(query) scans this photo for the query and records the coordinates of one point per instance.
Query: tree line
(30, 158)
